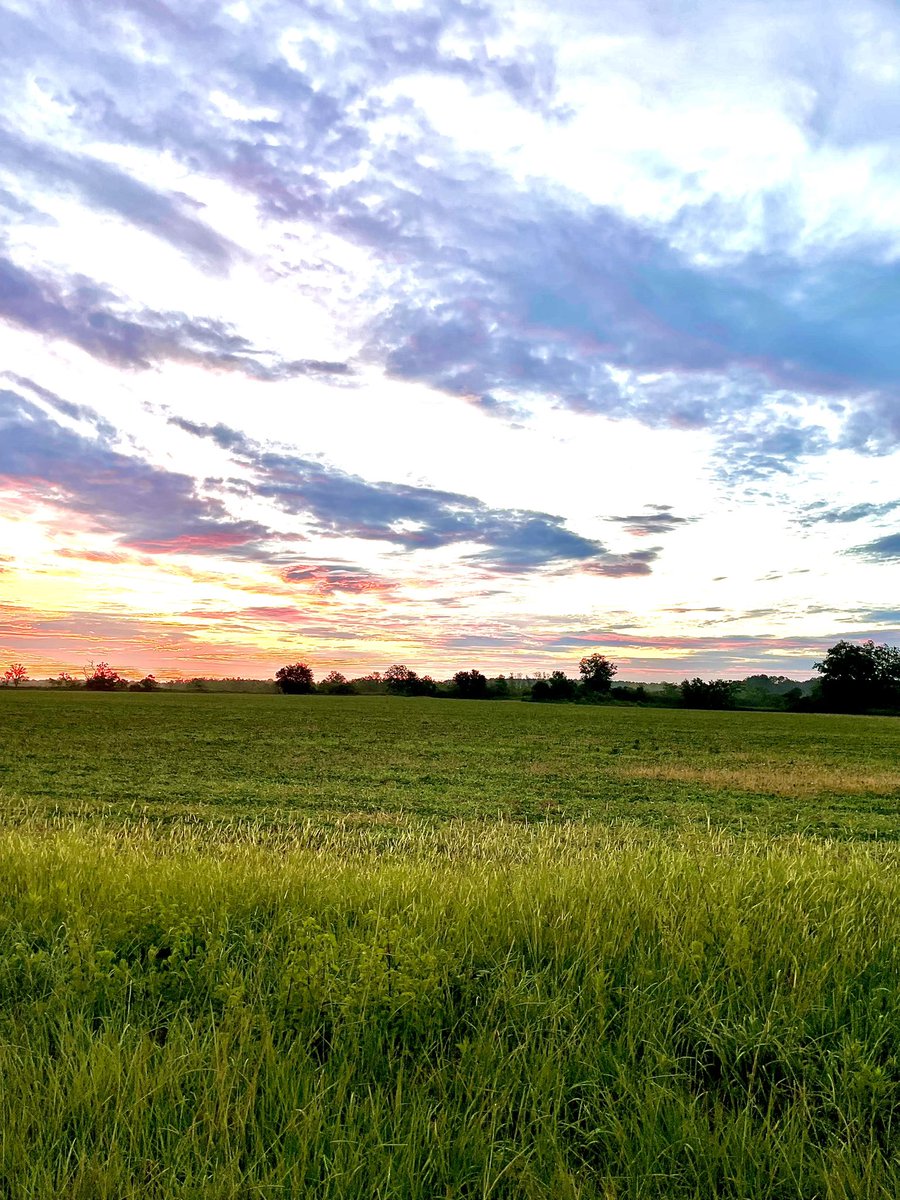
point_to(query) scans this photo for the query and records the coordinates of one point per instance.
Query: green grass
(222, 756)
(501, 1011)
(259, 947)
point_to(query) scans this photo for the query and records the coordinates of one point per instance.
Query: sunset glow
(449, 334)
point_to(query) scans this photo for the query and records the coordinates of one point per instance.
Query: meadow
(383, 759)
(372, 947)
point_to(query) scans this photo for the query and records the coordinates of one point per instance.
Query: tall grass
(471, 1010)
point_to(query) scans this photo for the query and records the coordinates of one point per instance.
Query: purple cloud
(150, 509)
(92, 319)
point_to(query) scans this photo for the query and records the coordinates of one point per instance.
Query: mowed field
(263, 946)
(391, 760)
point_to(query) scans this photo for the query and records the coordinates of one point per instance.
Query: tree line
(854, 677)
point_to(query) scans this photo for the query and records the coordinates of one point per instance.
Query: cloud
(97, 556)
(660, 519)
(873, 427)
(327, 579)
(819, 512)
(620, 566)
(883, 549)
(91, 318)
(414, 518)
(105, 187)
(878, 616)
(149, 509)
(155, 511)
(505, 290)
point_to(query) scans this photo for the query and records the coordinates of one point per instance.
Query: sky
(449, 333)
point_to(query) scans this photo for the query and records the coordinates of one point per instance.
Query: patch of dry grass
(776, 778)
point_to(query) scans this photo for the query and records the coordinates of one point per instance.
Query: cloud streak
(883, 549)
(148, 508)
(91, 318)
(414, 518)
(105, 187)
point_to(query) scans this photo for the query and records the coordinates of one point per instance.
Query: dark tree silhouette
(596, 673)
(336, 684)
(470, 685)
(147, 684)
(102, 678)
(856, 676)
(399, 679)
(716, 693)
(296, 679)
(561, 686)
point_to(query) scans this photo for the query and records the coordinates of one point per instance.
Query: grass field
(312, 947)
(385, 759)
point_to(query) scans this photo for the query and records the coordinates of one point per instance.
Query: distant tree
(715, 693)
(15, 675)
(424, 685)
(147, 684)
(635, 695)
(796, 701)
(778, 685)
(296, 679)
(401, 680)
(470, 685)
(369, 685)
(857, 676)
(596, 673)
(540, 691)
(64, 680)
(498, 688)
(561, 686)
(336, 684)
(102, 678)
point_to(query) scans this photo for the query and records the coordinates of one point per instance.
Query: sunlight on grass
(258, 947)
(472, 1009)
(771, 779)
